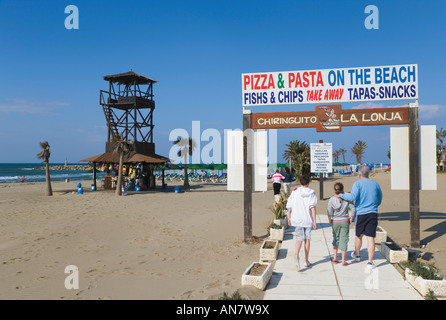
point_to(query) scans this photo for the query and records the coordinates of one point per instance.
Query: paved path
(325, 280)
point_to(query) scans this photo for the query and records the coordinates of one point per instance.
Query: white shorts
(302, 233)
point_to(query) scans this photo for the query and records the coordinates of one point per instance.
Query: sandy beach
(161, 244)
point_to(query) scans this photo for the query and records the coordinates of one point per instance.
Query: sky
(50, 76)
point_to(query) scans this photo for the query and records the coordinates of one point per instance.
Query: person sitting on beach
(301, 206)
(368, 196)
(22, 179)
(338, 217)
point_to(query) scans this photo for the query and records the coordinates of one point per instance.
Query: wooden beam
(247, 175)
(414, 176)
(344, 118)
(110, 135)
(94, 175)
(321, 181)
(162, 175)
(135, 124)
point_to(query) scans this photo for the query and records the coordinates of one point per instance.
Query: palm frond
(44, 145)
(358, 150)
(299, 153)
(187, 146)
(46, 152)
(121, 145)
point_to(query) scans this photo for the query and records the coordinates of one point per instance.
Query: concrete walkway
(325, 280)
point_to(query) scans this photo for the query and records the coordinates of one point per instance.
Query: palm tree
(358, 150)
(45, 156)
(187, 147)
(336, 155)
(342, 151)
(123, 148)
(441, 134)
(299, 153)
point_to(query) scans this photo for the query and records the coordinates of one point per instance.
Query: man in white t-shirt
(301, 207)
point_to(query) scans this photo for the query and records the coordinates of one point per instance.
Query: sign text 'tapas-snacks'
(399, 82)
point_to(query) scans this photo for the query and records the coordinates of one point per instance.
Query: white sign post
(399, 158)
(235, 160)
(321, 158)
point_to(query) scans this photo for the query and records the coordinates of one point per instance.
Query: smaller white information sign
(321, 157)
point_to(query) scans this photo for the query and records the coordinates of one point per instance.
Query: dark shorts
(276, 187)
(366, 224)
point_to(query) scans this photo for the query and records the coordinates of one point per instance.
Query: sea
(13, 172)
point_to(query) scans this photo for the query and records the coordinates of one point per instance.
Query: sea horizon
(13, 172)
(34, 172)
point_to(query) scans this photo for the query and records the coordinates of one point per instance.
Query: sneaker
(307, 264)
(370, 265)
(355, 257)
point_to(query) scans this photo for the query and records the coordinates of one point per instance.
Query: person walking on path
(338, 217)
(301, 206)
(367, 195)
(277, 183)
(287, 181)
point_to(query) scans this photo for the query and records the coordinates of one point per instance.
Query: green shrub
(426, 271)
(273, 226)
(280, 207)
(235, 296)
(278, 211)
(430, 295)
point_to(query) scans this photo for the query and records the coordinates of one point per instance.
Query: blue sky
(197, 50)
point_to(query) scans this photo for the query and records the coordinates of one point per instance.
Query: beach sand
(158, 244)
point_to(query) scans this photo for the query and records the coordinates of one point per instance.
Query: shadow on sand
(439, 228)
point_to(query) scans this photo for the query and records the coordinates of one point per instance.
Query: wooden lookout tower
(128, 107)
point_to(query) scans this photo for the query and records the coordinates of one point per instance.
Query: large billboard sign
(398, 82)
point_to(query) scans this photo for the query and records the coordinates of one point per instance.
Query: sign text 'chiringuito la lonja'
(330, 118)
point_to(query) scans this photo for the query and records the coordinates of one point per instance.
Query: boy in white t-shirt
(301, 207)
